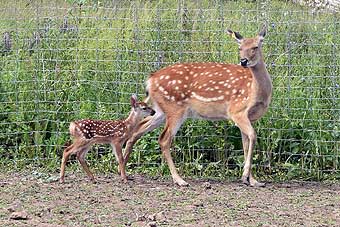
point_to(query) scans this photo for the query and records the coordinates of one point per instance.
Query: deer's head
(250, 48)
(141, 108)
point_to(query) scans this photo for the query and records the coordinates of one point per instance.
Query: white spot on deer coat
(161, 88)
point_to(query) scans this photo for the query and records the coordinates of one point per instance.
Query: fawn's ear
(237, 36)
(133, 101)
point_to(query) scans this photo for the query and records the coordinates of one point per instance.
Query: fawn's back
(103, 131)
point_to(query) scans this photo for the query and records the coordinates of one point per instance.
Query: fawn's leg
(66, 154)
(81, 158)
(146, 125)
(119, 156)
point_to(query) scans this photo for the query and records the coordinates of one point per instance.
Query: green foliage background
(75, 59)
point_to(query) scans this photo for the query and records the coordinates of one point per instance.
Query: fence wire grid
(67, 60)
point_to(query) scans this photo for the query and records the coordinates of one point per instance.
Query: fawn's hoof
(124, 179)
(93, 180)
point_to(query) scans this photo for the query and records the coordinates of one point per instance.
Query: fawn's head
(250, 48)
(141, 108)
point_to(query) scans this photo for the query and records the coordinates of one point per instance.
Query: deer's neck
(262, 81)
(132, 120)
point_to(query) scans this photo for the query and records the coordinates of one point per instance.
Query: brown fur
(88, 132)
(213, 91)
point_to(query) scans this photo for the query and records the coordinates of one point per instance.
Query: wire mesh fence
(67, 60)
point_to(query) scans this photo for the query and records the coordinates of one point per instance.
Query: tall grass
(68, 60)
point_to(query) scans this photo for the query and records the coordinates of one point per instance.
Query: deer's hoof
(93, 181)
(180, 182)
(124, 180)
(245, 180)
(250, 181)
(257, 184)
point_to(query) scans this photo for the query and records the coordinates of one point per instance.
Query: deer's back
(207, 90)
(89, 129)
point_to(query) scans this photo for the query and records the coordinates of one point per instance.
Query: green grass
(87, 60)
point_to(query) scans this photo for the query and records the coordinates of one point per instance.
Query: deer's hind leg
(81, 152)
(72, 149)
(172, 125)
(66, 154)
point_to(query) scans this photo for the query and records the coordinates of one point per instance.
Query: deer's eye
(253, 49)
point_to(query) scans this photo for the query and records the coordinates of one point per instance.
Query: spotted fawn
(88, 132)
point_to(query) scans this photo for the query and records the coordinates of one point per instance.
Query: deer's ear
(262, 33)
(237, 36)
(133, 100)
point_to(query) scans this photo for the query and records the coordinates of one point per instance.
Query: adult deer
(213, 91)
(89, 132)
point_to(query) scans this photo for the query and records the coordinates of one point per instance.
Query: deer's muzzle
(244, 62)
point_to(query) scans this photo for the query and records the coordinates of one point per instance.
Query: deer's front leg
(146, 125)
(119, 156)
(248, 141)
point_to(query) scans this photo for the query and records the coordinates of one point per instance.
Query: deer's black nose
(244, 62)
(152, 112)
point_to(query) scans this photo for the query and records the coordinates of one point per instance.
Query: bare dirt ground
(39, 200)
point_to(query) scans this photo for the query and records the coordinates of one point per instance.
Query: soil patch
(27, 200)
